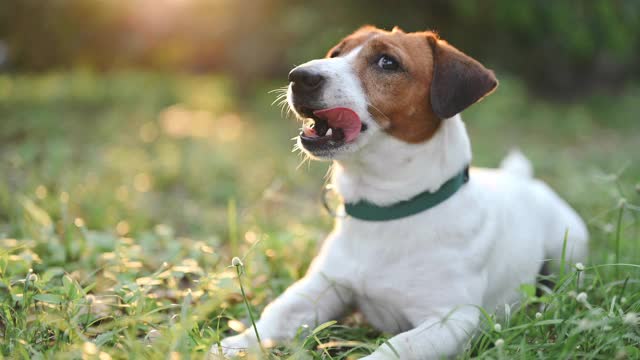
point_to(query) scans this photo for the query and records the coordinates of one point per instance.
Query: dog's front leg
(435, 338)
(311, 301)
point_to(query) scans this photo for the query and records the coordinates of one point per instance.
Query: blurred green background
(559, 47)
(141, 132)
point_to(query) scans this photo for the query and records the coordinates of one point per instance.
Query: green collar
(365, 210)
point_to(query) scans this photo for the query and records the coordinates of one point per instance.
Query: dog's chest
(387, 294)
(399, 272)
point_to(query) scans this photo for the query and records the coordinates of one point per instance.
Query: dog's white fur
(423, 276)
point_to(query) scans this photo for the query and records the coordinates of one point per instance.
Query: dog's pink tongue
(342, 118)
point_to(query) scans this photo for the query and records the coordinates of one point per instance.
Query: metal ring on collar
(338, 211)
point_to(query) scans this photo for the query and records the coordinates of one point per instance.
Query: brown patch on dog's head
(432, 81)
(354, 40)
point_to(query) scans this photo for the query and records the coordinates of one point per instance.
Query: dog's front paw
(231, 347)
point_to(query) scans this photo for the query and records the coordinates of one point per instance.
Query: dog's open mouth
(334, 126)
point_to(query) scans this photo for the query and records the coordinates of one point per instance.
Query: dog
(424, 241)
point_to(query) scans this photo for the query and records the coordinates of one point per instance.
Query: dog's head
(376, 82)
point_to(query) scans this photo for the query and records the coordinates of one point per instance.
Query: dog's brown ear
(458, 80)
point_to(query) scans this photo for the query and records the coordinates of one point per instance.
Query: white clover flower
(499, 343)
(579, 266)
(538, 316)
(497, 327)
(631, 319)
(90, 299)
(623, 300)
(32, 277)
(608, 228)
(622, 202)
(236, 261)
(582, 297)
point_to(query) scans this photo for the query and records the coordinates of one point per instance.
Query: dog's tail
(517, 164)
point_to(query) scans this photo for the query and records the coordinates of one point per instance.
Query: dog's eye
(334, 53)
(386, 62)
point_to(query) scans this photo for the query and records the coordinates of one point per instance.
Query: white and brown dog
(424, 243)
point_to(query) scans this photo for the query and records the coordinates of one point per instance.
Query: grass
(124, 197)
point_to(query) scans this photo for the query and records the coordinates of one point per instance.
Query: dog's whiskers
(279, 89)
(329, 175)
(279, 98)
(305, 157)
(285, 109)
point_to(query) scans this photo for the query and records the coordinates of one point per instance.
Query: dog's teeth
(329, 132)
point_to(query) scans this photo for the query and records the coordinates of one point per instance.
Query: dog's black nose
(304, 80)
